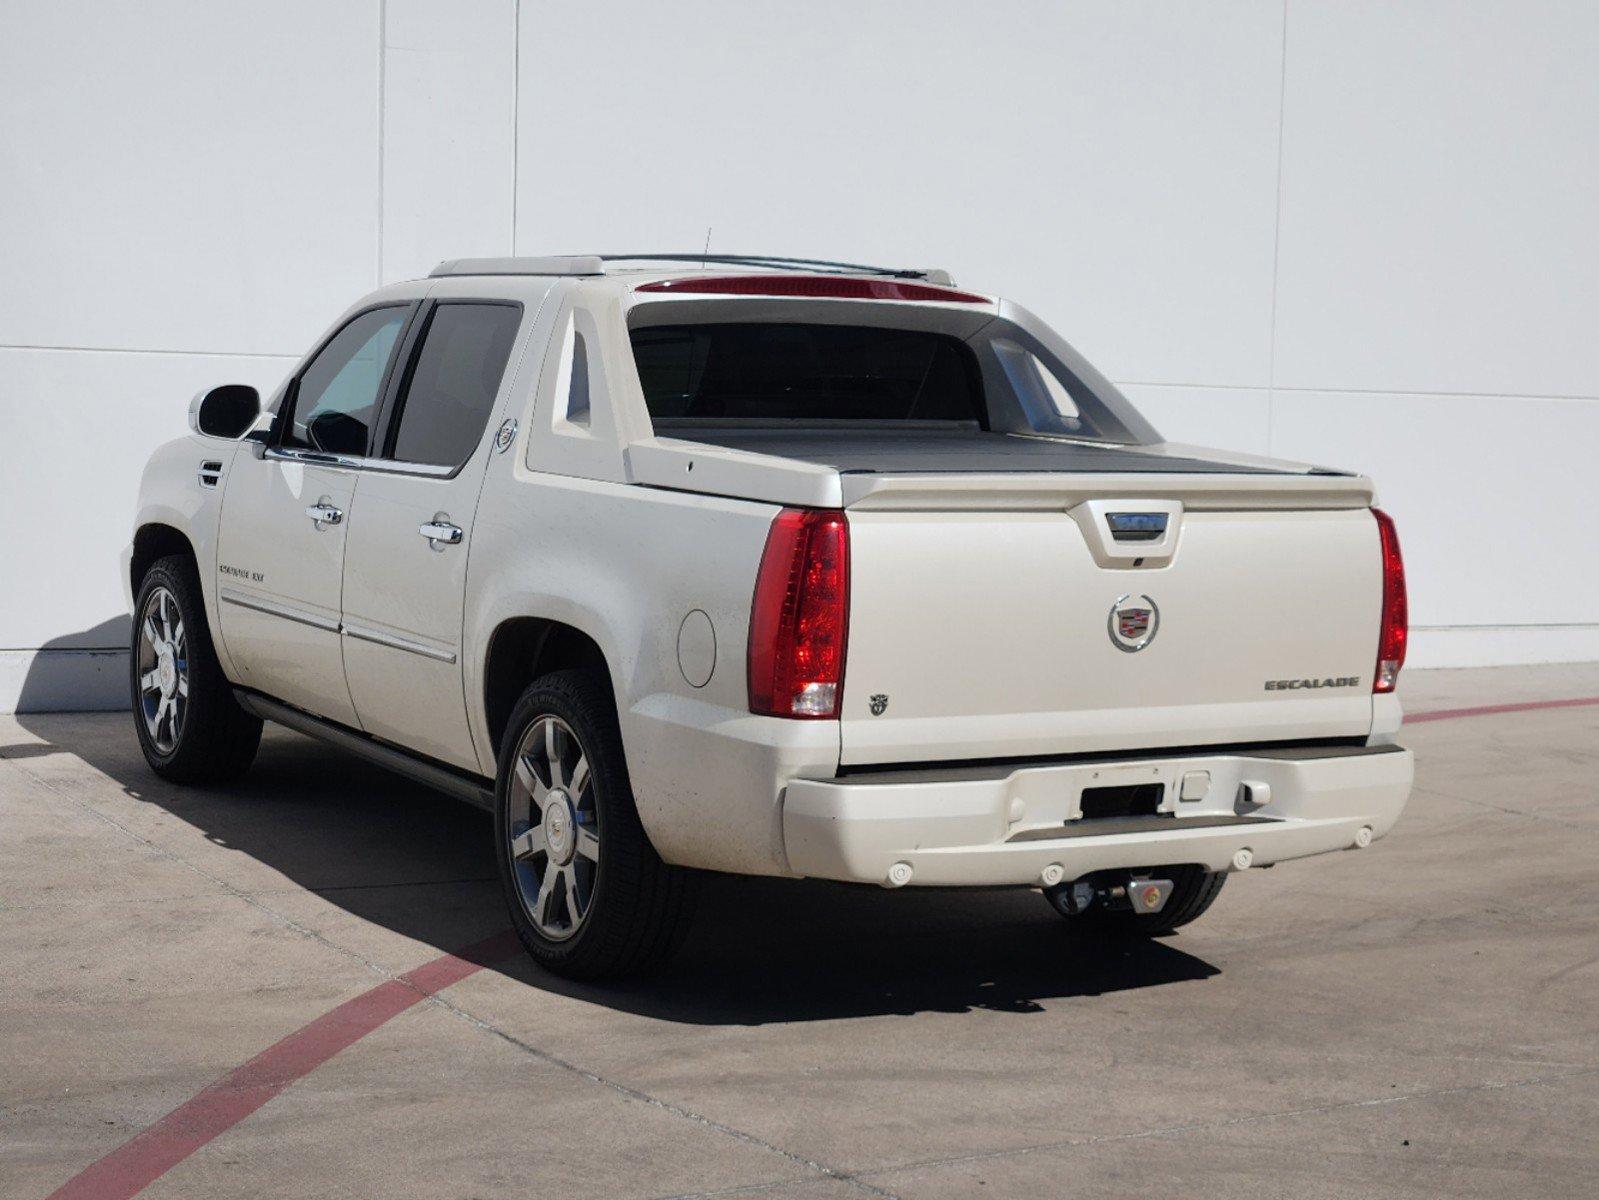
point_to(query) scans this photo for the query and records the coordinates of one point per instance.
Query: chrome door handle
(324, 514)
(440, 533)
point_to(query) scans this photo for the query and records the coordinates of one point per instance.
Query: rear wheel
(1194, 890)
(190, 727)
(588, 895)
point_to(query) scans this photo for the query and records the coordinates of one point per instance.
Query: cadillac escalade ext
(772, 567)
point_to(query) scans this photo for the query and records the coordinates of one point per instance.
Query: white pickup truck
(773, 567)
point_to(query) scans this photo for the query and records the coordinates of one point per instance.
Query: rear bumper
(1021, 824)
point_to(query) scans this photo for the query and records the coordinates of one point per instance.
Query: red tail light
(800, 616)
(1395, 608)
(826, 287)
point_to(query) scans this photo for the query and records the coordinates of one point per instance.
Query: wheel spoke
(580, 778)
(183, 686)
(552, 751)
(150, 681)
(147, 630)
(588, 843)
(530, 782)
(572, 908)
(526, 845)
(164, 612)
(549, 888)
(177, 634)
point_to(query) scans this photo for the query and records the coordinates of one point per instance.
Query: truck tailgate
(990, 634)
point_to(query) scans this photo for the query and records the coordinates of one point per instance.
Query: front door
(286, 518)
(405, 566)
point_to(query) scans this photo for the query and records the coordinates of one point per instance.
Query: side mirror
(226, 411)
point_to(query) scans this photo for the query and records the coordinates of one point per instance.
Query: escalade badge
(1134, 621)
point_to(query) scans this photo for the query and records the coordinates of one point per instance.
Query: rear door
(286, 516)
(405, 567)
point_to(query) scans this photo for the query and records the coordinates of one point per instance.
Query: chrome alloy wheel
(554, 828)
(163, 670)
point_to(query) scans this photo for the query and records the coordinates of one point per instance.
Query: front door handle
(440, 533)
(323, 514)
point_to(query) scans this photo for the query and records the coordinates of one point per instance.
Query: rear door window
(455, 374)
(806, 373)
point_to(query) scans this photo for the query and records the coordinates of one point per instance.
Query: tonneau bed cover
(914, 451)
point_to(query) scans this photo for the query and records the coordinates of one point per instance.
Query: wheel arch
(522, 649)
(155, 540)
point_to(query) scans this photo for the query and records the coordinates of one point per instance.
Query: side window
(337, 395)
(453, 381)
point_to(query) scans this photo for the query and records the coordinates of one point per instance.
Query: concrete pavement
(1419, 1019)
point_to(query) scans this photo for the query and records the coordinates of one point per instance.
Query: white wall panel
(447, 144)
(77, 429)
(1230, 418)
(207, 180)
(1110, 165)
(186, 174)
(1495, 499)
(1440, 185)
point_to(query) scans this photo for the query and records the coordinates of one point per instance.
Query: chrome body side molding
(276, 609)
(316, 621)
(362, 633)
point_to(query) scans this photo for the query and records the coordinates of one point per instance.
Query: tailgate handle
(1129, 533)
(1137, 526)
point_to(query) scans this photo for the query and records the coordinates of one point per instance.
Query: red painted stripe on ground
(1489, 710)
(143, 1159)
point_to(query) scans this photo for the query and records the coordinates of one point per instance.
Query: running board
(459, 784)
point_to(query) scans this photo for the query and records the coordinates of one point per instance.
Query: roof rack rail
(594, 264)
(550, 264)
(932, 274)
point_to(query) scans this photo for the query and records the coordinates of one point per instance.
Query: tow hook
(1144, 896)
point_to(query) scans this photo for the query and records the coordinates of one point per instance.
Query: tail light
(800, 616)
(1395, 608)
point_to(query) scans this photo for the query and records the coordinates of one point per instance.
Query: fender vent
(210, 473)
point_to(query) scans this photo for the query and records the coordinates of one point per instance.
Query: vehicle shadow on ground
(395, 854)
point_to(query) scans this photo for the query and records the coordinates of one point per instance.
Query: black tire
(1194, 890)
(637, 909)
(212, 739)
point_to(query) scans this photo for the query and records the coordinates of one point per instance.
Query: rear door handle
(324, 514)
(440, 533)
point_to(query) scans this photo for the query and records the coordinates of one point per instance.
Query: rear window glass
(806, 373)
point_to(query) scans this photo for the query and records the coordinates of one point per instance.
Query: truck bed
(962, 451)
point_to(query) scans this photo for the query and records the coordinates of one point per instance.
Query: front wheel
(190, 727)
(588, 895)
